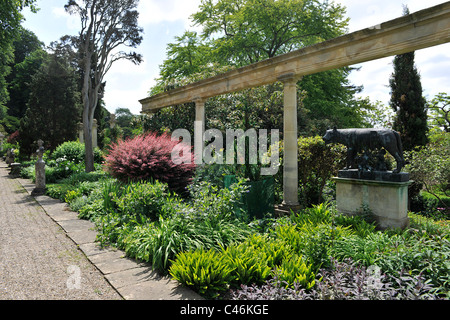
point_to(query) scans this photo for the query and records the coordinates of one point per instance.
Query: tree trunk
(88, 117)
(89, 149)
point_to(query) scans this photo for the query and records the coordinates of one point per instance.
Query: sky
(163, 20)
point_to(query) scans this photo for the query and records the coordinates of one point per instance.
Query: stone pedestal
(387, 200)
(15, 169)
(40, 179)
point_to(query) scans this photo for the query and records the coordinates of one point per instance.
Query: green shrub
(89, 206)
(28, 172)
(58, 191)
(206, 272)
(429, 167)
(91, 209)
(311, 233)
(365, 251)
(296, 271)
(248, 263)
(160, 241)
(79, 177)
(75, 152)
(428, 227)
(61, 169)
(148, 199)
(218, 203)
(317, 163)
(253, 261)
(357, 224)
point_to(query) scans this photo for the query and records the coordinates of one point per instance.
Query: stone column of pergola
(290, 136)
(199, 130)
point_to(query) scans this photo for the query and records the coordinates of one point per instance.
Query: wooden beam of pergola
(426, 28)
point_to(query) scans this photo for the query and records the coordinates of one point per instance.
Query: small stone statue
(40, 151)
(40, 171)
(10, 156)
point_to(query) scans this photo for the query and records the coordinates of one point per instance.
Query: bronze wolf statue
(357, 140)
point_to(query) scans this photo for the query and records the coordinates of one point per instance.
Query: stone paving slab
(60, 215)
(113, 261)
(132, 279)
(83, 237)
(157, 290)
(72, 226)
(133, 276)
(92, 248)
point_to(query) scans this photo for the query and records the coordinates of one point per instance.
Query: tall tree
(29, 54)
(408, 102)
(54, 106)
(247, 31)
(124, 118)
(439, 109)
(10, 19)
(106, 26)
(239, 32)
(186, 56)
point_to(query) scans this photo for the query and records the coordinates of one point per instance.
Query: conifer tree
(408, 102)
(53, 108)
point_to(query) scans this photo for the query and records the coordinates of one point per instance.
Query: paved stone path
(47, 253)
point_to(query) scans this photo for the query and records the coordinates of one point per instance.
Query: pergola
(426, 28)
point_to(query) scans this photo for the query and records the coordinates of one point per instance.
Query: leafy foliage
(10, 19)
(150, 157)
(408, 102)
(252, 261)
(237, 33)
(440, 111)
(100, 36)
(179, 226)
(429, 167)
(313, 254)
(317, 163)
(249, 31)
(75, 152)
(148, 199)
(204, 271)
(29, 54)
(53, 108)
(344, 281)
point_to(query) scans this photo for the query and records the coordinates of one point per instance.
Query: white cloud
(432, 63)
(72, 21)
(367, 13)
(127, 96)
(157, 11)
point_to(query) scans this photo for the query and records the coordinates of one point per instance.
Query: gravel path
(37, 260)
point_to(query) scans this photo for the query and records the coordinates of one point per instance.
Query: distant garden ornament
(10, 156)
(40, 171)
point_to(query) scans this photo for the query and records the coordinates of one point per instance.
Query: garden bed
(207, 241)
(316, 254)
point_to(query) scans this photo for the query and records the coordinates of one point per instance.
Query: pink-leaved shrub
(150, 156)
